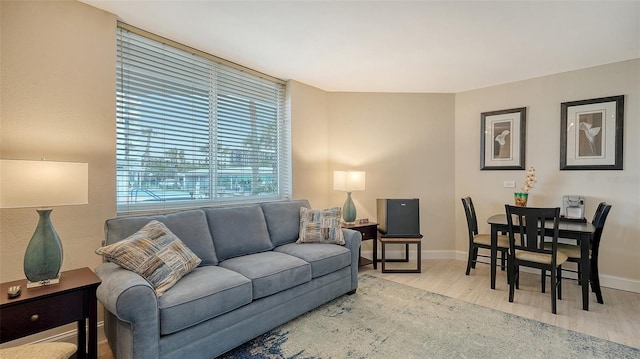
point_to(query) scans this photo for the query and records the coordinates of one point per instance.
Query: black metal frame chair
(481, 240)
(527, 224)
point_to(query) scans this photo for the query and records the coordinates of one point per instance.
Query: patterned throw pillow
(320, 226)
(154, 253)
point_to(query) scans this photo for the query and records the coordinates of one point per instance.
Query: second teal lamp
(348, 181)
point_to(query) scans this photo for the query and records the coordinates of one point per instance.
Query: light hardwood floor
(617, 320)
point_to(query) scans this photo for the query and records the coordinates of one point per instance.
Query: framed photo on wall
(591, 133)
(502, 139)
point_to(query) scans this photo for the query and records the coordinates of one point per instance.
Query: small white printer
(573, 207)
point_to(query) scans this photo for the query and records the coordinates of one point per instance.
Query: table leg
(585, 241)
(383, 259)
(81, 353)
(419, 257)
(494, 254)
(375, 252)
(93, 326)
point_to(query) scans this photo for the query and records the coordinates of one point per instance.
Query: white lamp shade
(43, 184)
(348, 181)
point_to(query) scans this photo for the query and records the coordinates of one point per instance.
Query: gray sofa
(253, 278)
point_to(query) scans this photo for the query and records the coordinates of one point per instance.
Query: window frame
(236, 97)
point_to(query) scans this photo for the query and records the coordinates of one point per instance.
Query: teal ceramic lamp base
(43, 257)
(349, 209)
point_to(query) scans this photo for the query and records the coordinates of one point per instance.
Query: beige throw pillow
(155, 253)
(320, 226)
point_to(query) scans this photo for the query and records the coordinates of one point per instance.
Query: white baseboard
(625, 284)
(608, 281)
(69, 336)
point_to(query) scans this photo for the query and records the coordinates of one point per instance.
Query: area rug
(385, 319)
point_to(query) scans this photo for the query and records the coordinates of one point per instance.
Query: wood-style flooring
(617, 320)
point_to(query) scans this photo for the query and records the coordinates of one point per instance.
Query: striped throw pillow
(320, 226)
(155, 253)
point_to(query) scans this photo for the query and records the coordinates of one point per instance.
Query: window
(193, 130)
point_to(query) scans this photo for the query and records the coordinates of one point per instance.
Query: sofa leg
(352, 292)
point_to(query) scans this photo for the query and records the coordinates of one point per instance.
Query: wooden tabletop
(69, 280)
(586, 227)
(400, 239)
(356, 224)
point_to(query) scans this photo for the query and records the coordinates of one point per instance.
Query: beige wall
(404, 143)
(57, 94)
(620, 250)
(308, 107)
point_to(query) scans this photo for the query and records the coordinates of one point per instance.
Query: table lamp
(348, 181)
(42, 185)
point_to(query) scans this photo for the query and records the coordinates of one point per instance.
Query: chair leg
(595, 282)
(475, 257)
(559, 279)
(579, 273)
(543, 275)
(469, 260)
(553, 291)
(511, 275)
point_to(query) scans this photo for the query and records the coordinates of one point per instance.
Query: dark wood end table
(42, 308)
(369, 231)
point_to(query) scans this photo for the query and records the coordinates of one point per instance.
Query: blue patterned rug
(385, 319)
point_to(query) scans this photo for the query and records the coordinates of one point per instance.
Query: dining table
(582, 232)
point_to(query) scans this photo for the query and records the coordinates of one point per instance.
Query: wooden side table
(369, 231)
(42, 308)
(406, 241)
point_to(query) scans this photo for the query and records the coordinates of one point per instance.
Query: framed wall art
(591, 133)
(502, 139)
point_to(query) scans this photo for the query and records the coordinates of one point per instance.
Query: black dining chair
(573, 250)
(481, 240)
(527, 224)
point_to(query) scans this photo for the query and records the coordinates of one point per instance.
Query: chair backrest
(598, 212)
(472, 221)
(528, 225)
(599, 218)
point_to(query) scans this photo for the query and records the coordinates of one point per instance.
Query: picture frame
(503, 139)
(591, 134)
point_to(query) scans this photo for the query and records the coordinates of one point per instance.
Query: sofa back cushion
(238, 231)
(283, 220)
(190, 226)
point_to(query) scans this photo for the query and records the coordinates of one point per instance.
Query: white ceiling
(397, 46)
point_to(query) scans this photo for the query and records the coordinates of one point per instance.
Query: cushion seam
(280, 271)
(205, 296)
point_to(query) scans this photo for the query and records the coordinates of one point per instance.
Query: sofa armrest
(131, 299)
(352, 239)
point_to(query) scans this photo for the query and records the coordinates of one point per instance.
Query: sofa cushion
(270, 272)
(237, 231)
(205, 293)
(154, 253)
(190, 226)
(283, 220)
(320, 226)
(324, 258)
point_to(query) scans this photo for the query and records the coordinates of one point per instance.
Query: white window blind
(192, 131)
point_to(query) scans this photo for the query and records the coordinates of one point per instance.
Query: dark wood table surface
(369, 231)
(42, 308)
